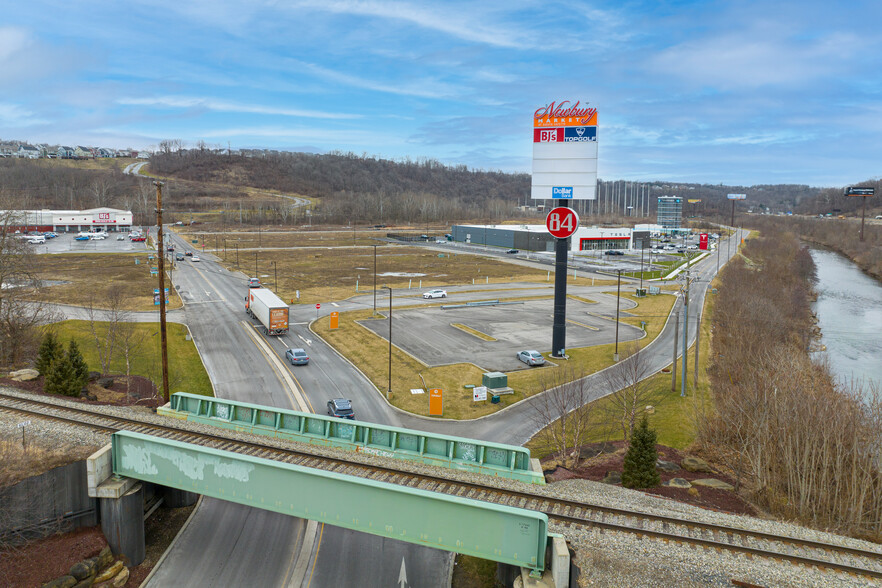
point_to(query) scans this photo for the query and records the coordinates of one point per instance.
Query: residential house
(65, 152)
(83, 152)
(27, 152)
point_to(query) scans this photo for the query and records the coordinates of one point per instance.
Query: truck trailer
(269, 309)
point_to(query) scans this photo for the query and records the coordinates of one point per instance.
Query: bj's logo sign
(103, 216)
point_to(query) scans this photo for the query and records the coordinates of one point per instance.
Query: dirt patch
(596, 459)
(125, 391)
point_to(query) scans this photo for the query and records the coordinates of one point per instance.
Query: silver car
(531, 357)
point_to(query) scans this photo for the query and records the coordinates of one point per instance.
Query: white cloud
(13, 41)
(226, 106)
(756, 58)
(13, 115)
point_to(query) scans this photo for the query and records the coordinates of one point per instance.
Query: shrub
(49, 352)
(61, 378)
(638, 470)
(78, 364)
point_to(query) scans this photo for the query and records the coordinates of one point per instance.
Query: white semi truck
(269, 309)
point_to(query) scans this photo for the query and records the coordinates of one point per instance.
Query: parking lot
(429, 335)
(67, 243)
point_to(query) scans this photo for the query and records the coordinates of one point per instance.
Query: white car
(38, 240)
(531, 357)
(435, 294)
(194, 258)
(97, 236)
(120, 237)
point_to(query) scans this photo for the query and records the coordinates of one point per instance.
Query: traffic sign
(562, 222)
(318, 306)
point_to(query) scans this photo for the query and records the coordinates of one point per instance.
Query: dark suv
(340, 407)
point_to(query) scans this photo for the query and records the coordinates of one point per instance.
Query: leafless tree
(631, 389)
(562, 413)
(105, 324)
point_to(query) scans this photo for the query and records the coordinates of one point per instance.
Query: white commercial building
(94, 219)
(537, 238)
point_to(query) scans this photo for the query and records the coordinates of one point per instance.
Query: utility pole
(674, 362)
(162, 330)
(697, 335)
(618, 294)
(685, 329)
(375, 279)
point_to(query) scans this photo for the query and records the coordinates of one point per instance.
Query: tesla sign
(562, 222)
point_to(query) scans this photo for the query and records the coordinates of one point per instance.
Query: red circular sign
(562, 222)
(318, 306)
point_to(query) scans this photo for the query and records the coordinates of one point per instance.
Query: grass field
(186, 372)
(91, 276)
(323, 274)
(370, 353)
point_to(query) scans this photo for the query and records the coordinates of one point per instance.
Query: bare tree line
(803, 447)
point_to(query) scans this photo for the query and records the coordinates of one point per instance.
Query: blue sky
(732, 92)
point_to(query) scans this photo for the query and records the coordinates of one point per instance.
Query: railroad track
(796, 550)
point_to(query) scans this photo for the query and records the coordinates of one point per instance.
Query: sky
(739, 93)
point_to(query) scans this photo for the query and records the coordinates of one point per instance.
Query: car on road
(194, 258)
(614, 252)
(179, 257)
(120, 237)
(435, 294)
(139, 238)
(81, 238)
(171, 248)
(340, 407)
(188, 253)
(531, 357)
(297, 356)
(254, 282)
(512, 251)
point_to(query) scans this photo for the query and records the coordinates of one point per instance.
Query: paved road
(247, 366)
(229, 544)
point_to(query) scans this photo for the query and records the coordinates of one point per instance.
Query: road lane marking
(582, 325)
(285, 377)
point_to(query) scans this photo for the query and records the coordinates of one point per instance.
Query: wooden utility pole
(161, 251)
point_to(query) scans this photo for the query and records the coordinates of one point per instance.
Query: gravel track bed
(606, 558)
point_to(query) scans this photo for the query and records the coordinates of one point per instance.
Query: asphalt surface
(245, 365)
(227, 544)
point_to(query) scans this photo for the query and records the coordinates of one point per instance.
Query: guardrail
(493, 459)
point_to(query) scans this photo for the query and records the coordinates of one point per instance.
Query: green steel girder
(494, 459)
(510, 535)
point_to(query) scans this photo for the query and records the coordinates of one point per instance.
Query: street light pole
(256, 275)
(618, 294)
(275, 277)
(389, 387)
(375, 279)
(162, 326)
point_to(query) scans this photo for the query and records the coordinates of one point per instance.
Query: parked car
(254, 282)
(531, 357)
(81, 238)
(194, 258)
(139, 238)
(435, 294)
(120, 237)
(50, 235)
(512, 251)
(614, 252)
(297, 356)
(179, 257)
(99, 236)
(38, 240)
(340, 407)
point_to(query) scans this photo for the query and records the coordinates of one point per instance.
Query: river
(849, 311)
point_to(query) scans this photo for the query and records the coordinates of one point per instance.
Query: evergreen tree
(49, 352)
(61, 378)
(78, 364)
(639, 471)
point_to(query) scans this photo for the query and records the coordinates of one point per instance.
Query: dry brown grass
(87, 276)
(329, 273)
(35, 457)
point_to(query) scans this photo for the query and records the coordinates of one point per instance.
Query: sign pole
(162, 326)
(559, 328)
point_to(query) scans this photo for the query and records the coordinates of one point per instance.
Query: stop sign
(562, 222)
(318, 306)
